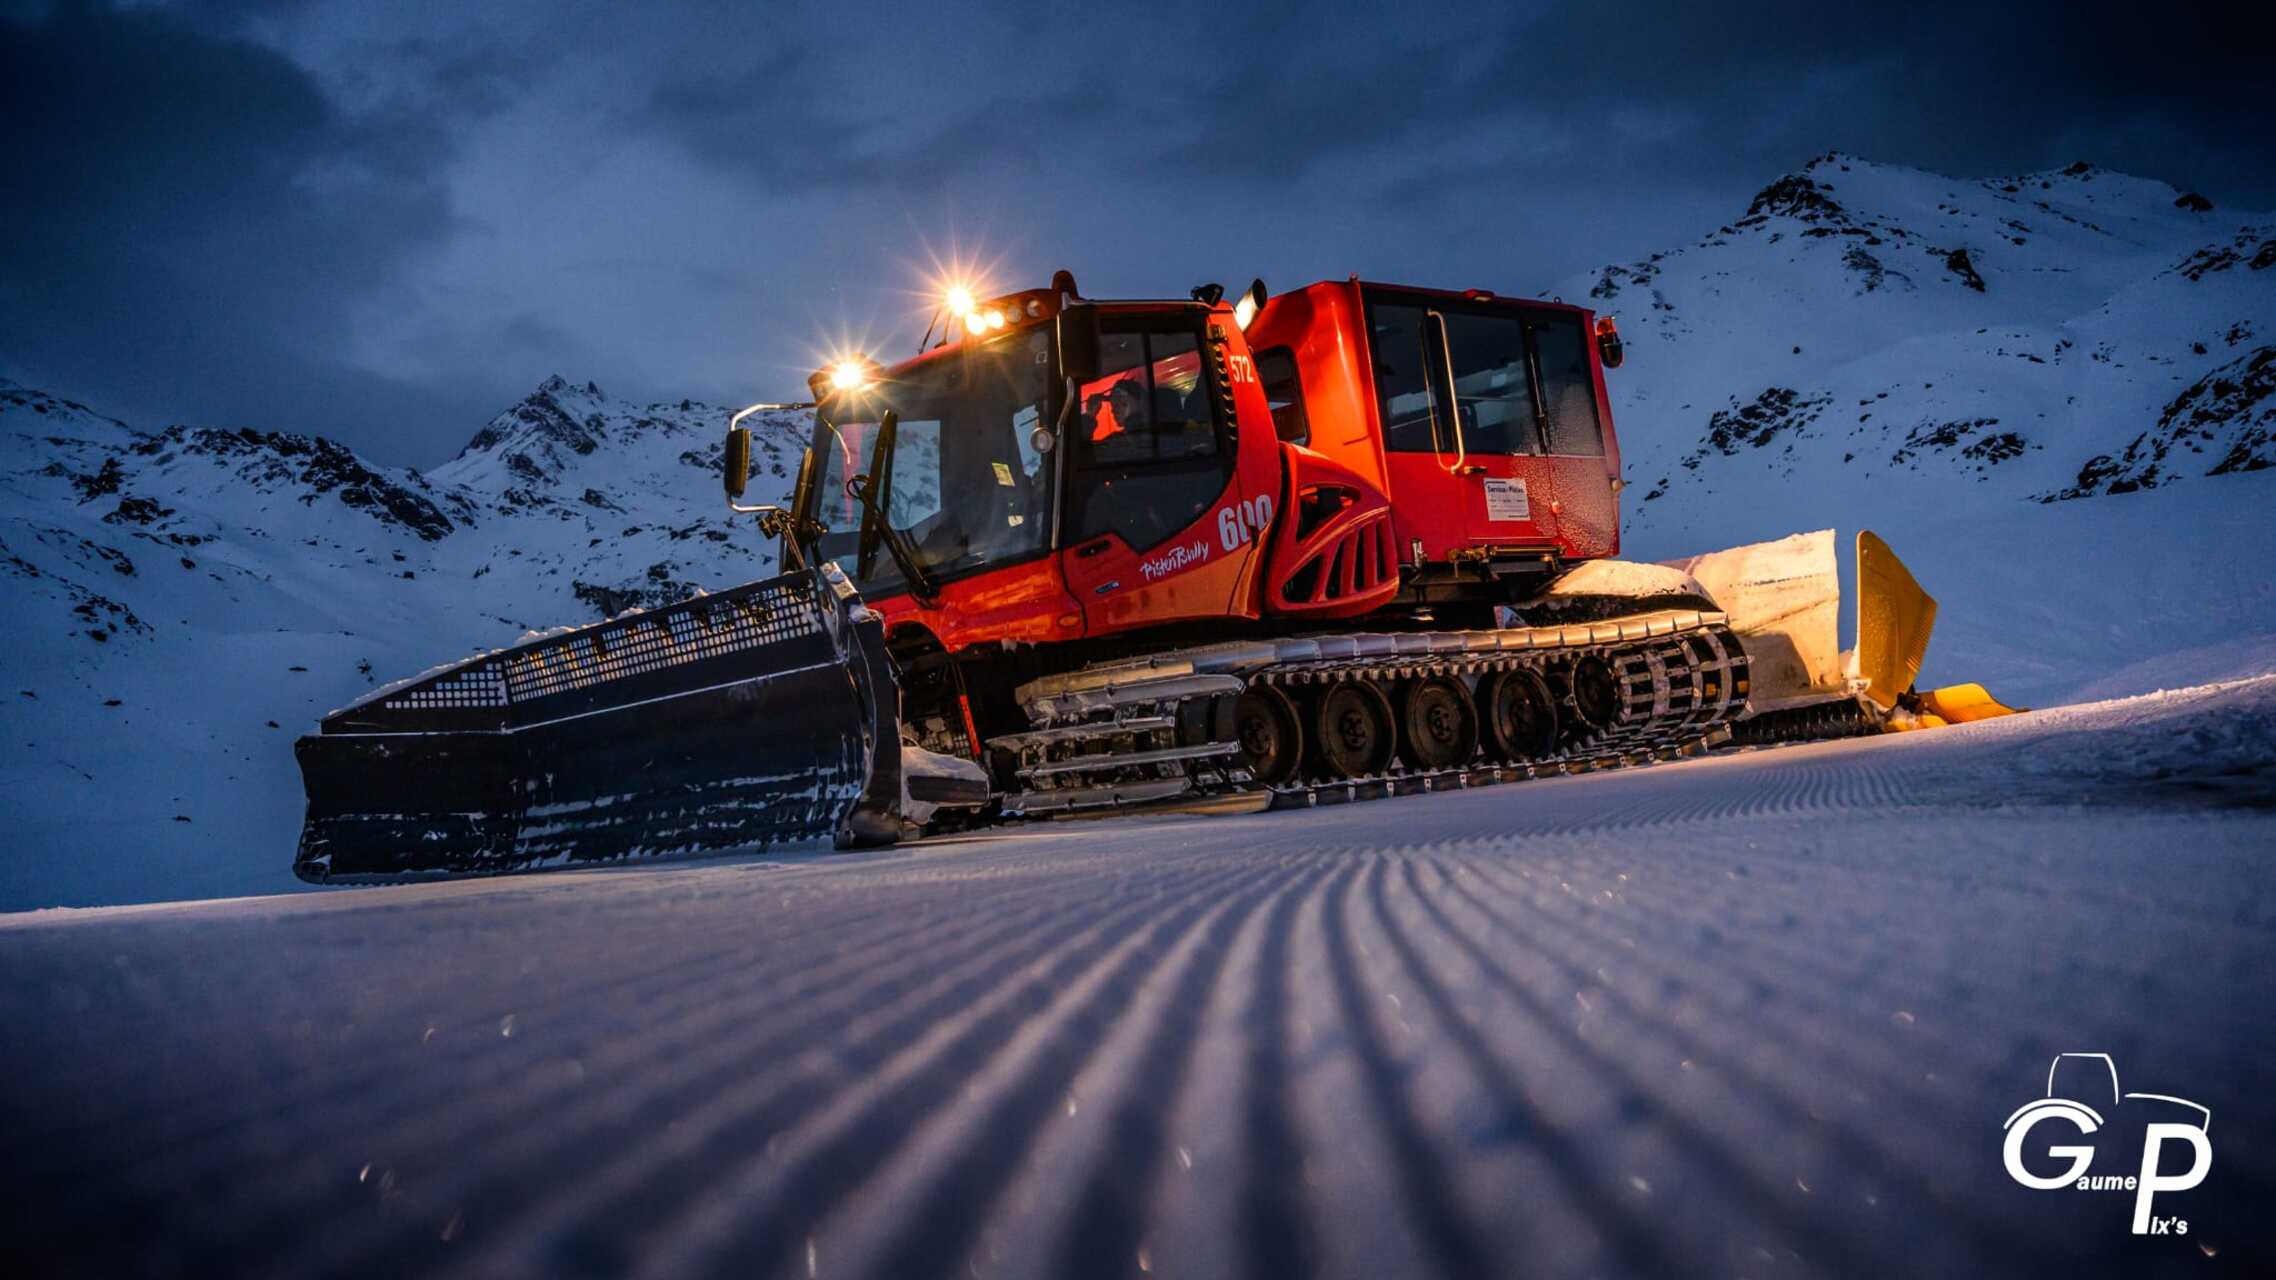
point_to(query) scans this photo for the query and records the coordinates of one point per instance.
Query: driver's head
(1127, 398)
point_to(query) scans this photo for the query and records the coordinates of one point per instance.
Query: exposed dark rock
(1872, 275)
(2255, 247)
(2229, 416)
(103, 483)
(1798, 197)
(1777, 411)
(316, 466)
(1958, 263)
(1948, 437)
(2194, 203)
(1996, 448)
(540, 424)
(137, 511)
(105, 616)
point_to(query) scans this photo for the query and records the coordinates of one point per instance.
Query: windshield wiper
(874, 492)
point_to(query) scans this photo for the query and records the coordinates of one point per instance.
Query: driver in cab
(1122, 408)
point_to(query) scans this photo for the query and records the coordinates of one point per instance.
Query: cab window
(1148, 456)
(966, 486)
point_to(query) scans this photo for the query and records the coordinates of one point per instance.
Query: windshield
(966, 486)
(1521, 375)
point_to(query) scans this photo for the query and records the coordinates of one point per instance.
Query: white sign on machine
(1506, 499)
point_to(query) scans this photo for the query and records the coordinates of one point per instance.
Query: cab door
(1520, 460)
(1155, 528)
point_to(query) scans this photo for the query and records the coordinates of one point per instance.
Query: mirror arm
(741, 414)
(763, 508)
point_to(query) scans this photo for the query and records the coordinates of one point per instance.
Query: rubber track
(1679, 694)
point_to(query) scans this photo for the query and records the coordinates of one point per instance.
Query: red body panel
(1334, 551)
(1027, 603)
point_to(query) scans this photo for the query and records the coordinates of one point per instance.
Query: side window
(1491, 389)
(1491, 382)
(1149, 405)
(1147, 456)
(1284, 391)
(1568, 387)
(1395, 338)
(1523, 380)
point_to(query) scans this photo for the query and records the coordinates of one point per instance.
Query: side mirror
(1079, 343)
(736, 473)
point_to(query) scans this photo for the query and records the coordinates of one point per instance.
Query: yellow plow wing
(1894, 619)
(1784, 601)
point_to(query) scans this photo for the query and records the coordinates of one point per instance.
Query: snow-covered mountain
(1865, 330)
(2052, 392)
(185, 602)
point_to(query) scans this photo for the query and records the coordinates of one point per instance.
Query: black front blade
(756, 716)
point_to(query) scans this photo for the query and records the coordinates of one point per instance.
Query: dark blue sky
(384, 222)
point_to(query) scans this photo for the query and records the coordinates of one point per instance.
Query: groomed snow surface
(1760, 1014)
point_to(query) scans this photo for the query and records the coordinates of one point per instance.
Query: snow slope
(186, 601)
(1756, 1014)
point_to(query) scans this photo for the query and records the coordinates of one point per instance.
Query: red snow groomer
(1348, 541)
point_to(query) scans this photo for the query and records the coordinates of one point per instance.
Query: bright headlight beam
(959, 301)
(846, 376)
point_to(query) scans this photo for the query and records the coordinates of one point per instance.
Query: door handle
(1090, 549)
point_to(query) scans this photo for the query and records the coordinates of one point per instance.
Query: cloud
(195, 227)
(385, 222)
(792, 120)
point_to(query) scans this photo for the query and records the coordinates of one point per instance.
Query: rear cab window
(1522, 375)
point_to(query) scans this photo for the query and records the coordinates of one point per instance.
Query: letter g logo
(2019, 1126)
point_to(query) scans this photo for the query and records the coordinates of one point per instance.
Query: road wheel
(1521, 717)
(1270, 733)
(1438, 728)
(1353, 727)
(1596, 693)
